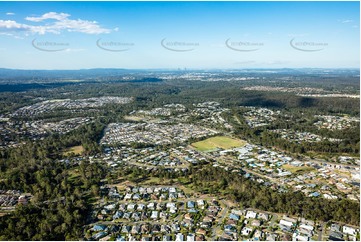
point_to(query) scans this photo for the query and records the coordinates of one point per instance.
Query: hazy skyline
(141, 35)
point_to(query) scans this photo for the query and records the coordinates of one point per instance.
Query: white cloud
(10, 14)
(81, 26)
(11, 34)
(6, 34)
(59, 22)
(12, 25)
(50, 15)
(345, 21)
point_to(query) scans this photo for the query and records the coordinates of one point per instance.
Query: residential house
(188, 216)
(237, 212)
(208, 219)
(145, 229)
(131, 207)
(154, 215)
(99, 227)
(160, 206)
(127, 215)
(136, 196)
(135, 229)
(271, 237)
(256, 223)
(200, 237)
(151, 206)
(201, 231)
(230, 228)
(175, 227)
(146, 238)
(234, 216)
(263, 216)
(126, 229)
(179, 237)
(136, 216)
(191, 204)
(165, 228)
(140, 207)
(118, 214)
(173, 196)
(190, 237)
(156, 229)
(167, 238)
(251, 214)
(99, 235)
(163, 215)
(257, 235)
(246, 231)
(349, 230)
(206, 225)
(170, 205)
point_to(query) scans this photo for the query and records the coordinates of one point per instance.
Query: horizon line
(183, 68)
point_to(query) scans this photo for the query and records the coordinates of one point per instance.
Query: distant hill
(16, 76)
(6, 73)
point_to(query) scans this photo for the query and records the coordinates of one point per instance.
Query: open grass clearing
(133, 118)
(223, 142)
(295, 169)
(77, 150)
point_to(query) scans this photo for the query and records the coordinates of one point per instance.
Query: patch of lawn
(213, 143)
(77, 150)
(133, 118)
(295, 169)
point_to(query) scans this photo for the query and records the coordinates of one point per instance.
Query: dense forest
(60, 203)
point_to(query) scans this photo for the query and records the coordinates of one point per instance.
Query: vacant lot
(295, 169)
(213, 143)
(77, 150)
(133, 118)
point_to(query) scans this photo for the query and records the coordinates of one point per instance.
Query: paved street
(217, 229)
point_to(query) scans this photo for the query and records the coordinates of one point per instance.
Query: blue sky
(76, 35)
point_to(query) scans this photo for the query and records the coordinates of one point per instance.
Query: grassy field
(75, 149)
(342, 173)
(295, 169)
(133, 118)
(223, 142)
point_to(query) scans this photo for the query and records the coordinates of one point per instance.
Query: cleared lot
(223, 142)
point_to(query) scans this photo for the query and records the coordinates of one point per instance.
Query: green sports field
(213, 143)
